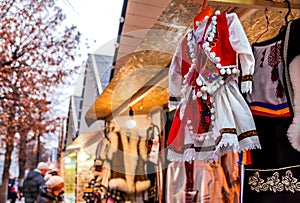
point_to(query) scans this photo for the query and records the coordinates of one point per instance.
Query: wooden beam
(256, 4)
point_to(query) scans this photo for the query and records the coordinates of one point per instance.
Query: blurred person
(20, 186)
(52, 191)
(12, 194)
(51, 172)
(33, 182)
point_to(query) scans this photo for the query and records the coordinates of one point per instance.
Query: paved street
(21, 201)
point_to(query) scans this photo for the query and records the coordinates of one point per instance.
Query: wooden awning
(144, 76)
(256, 4)
(87, 142)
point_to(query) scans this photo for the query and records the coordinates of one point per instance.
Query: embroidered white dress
(212, 117)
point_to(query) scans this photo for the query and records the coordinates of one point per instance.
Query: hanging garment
(212, 118)
(268, 96)
(232, 174)
(102, 170)
(274, 175)
(291, 55)
(127, 155)
(153, 134)
(196, 181)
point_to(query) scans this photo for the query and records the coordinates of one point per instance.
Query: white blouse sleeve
(241, 45)
(175, 78)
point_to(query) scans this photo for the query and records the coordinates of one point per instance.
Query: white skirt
(233, 128)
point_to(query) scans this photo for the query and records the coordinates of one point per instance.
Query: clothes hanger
(267, 27)
(203, 5)
(283, 28)
(289, 11)
(281, 33)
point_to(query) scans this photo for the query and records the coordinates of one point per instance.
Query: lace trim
(273, 183)
(191, 154)
(229, 141)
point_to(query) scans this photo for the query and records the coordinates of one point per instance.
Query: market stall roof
(87, 142)
(147, 63)
(129, 89)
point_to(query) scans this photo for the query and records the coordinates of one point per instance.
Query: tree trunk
(22, 157)
(7, 162)
(3, 190)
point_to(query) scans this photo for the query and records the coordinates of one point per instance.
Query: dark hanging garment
(277, 179)
(274, 175)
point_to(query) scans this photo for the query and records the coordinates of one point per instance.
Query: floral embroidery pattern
(273, 60)
(275, 56)
(207, 68)
(273, 183)
(206, 115)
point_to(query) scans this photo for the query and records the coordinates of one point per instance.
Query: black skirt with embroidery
(274, 175)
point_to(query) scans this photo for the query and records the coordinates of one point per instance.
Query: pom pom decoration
(203, 88)
(234, 70)
(199, 82)
(221, 82)
(218, 12)
(222, 71)
(199, 94)
(189, 122)
(228, 71)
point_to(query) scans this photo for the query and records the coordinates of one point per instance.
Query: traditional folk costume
(212, 118)
(274, 175)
